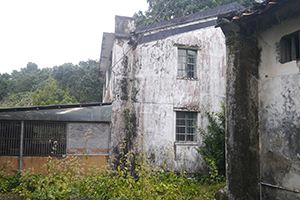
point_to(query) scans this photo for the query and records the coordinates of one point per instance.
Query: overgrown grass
(66, 179)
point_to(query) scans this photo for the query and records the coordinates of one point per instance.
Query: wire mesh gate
(32, 138)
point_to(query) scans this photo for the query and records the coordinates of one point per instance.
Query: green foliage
(213, 150)
(64, 84)
(51, 94)
(81, 80)
(8, 182)
(178, 8)
(20, 99)
(65, 179)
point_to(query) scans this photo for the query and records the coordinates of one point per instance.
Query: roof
(123, 23)
(92, 112)
(264, 14)
(193, 17)
(105, 55)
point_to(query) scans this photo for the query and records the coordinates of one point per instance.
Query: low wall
(36, 162)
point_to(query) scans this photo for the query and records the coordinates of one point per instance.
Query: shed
(28, 135)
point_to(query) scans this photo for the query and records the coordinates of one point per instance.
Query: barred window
(39, 138)
(185, 126)
(44, 138)
(10, 132)
(289, 47)
(187, 63)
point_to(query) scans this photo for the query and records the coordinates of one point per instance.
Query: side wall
(279, 94)
(145, 81)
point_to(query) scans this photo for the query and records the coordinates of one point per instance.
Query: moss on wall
(242, 134)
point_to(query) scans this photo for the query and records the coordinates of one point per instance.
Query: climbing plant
(213, 150)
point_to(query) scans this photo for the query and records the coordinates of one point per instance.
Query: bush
(65, 179)
(213, 150)
(8, 182)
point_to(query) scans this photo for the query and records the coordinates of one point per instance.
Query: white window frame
(185, 129)
(187, 63)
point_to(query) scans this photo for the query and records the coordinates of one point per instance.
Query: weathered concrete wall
(242, 125)
(279, 114)
(91, 138)
(145, 81)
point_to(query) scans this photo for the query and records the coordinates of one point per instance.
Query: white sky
(54, 32)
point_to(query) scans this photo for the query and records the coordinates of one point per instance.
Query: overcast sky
(53, 32)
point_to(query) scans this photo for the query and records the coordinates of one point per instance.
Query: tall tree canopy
(62, 84)
(178, 8)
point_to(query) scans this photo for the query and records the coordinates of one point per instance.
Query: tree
(20, 99)
(69, 84)
(31, 67)
(7, 85)
(51, 94)
(81, 80)
(178, 8)
(26, 78)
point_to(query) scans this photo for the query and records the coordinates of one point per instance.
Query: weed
(66, 179)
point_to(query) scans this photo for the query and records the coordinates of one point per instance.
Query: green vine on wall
(213, 150)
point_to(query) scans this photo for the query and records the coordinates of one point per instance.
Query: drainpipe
(21, 145)
(275, 186)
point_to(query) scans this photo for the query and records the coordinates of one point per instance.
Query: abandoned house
(262, 100)
(29, 135)
(161, 80)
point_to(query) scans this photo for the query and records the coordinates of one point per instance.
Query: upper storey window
(187, 63)
(289, 47)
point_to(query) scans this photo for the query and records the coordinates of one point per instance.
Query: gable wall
(146, 82)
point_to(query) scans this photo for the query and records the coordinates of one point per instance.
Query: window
(289, 47)
(185, 126)
(10, 138)
(42, 138)
(187, 63)
(39, 138)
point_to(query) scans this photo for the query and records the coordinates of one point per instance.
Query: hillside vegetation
(64, 84)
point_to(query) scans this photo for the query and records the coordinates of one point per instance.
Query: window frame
(186, 126)
(290, 47)
(184, 65)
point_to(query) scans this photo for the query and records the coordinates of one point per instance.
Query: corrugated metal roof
(93, 112)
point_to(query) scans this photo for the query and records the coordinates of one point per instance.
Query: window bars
(40, 138)
(185, 126)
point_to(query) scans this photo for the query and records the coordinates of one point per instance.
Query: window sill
(186, 143)
(190, 79)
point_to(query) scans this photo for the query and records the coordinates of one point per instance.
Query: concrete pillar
(242, 124)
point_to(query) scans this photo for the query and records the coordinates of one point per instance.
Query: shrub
(213, 150)
(8, 182)
(65, 179)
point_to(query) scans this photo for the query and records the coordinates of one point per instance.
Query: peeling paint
(146, 83)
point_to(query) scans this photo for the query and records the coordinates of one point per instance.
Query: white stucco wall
(279, 94)
(153, 92)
